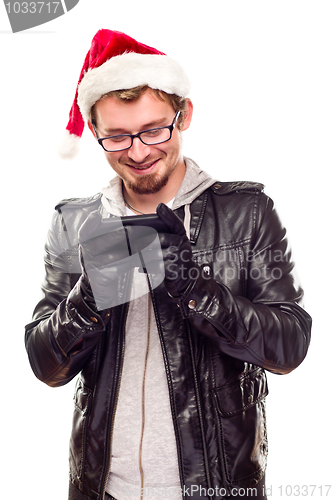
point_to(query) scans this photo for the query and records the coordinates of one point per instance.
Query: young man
(170, 336)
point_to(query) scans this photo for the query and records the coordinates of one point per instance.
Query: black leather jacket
(240, 317)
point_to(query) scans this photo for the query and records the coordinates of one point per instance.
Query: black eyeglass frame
(133, 136)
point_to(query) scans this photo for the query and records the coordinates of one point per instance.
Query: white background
(262, 90)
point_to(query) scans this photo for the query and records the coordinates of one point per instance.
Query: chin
(149, 184)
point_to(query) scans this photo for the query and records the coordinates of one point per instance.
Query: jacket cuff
(81, 307)
(198, 295)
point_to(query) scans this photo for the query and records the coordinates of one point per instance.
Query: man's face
(144, 169)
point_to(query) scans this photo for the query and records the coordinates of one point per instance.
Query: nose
(138, 152)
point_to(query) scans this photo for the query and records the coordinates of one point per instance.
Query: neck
(145, 204)
(130, 206)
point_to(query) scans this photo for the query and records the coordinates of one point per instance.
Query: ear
(188, 116)
(91, 128)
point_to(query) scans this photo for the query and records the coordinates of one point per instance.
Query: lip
(144, 169)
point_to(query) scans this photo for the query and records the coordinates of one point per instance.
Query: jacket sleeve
(267, 326)
(64, 330)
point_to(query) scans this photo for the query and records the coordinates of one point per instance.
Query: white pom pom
(69, 146)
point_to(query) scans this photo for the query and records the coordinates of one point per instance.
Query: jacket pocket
(82, 399)
(243, 437)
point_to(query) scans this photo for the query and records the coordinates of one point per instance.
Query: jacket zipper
(117, 390)
(143, 399)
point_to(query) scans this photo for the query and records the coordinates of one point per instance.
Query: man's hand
(104, 256)
(177, 253)
(106, 253)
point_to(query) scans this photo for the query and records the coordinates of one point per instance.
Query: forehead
(114, 114)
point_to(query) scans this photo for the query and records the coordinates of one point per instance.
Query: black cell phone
(149, 220)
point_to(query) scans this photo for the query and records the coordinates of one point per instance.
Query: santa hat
(116, 61)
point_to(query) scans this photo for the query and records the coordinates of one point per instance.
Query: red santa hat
(116, 61)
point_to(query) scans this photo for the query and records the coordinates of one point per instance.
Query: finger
(171, 240)
(106, 249)
(170, 219)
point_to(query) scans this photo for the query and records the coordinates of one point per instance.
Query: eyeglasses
(114, 143)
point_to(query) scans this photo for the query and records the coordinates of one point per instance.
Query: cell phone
(149, 220)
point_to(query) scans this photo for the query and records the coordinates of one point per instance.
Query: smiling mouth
(144, 167)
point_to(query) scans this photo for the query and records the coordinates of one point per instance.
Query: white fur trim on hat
(130, 70)
(69, 146)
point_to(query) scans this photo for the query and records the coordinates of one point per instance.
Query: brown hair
(178, 103)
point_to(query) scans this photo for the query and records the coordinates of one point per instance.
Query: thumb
(170, 219)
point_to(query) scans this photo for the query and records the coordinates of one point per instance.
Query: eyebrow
(147, 126)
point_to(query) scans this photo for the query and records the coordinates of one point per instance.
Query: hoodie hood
(195, 182)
